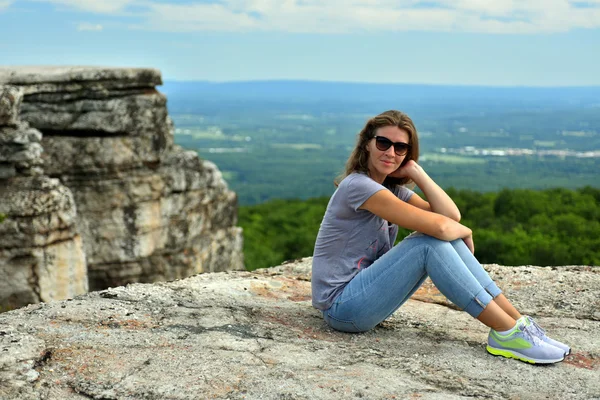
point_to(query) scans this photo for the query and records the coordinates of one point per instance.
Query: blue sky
(470, 42)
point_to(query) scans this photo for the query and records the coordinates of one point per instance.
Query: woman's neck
(379, 178)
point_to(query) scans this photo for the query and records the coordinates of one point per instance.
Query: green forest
(511, 227)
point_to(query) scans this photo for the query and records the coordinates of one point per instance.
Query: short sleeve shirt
(349, 239)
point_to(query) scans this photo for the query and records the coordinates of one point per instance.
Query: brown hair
(358, 160)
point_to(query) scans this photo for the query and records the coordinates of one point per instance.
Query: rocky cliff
(41, 252)
(146, 210)
(251, 335)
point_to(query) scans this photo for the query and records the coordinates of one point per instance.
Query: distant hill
(371, 92)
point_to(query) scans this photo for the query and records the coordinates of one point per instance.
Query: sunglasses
(383, 143)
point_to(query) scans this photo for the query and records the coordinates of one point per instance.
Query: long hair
(358, 160)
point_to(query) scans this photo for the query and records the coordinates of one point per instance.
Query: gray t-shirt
(349, 239)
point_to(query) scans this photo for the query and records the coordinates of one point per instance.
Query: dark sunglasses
(383, 143)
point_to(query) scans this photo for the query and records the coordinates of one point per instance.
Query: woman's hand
(409, 170)
(469, 242)
(438, 201)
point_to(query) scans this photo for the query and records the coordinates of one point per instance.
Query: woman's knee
(435, 243)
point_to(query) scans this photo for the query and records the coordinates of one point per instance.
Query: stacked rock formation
(146, 209)
(41, 254)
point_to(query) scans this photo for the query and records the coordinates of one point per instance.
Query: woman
(359, 279)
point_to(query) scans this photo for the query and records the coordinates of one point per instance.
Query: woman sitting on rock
(359, 279)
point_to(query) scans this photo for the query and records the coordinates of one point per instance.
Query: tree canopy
(511, 227)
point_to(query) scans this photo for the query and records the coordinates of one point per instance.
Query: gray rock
(146, 210)
(75, 82)
(127, 115)
(10, 103)
(7, 171)
(20, 154)
(211, 252)
(65, 157)
(41, 254)
(255, 335)
(20, 148)
(39, 207)
(20, 133)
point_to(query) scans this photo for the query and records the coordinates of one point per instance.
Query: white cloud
(343, 16)
(205, 17)
(86, 26)
(4, 4)
(94, 6)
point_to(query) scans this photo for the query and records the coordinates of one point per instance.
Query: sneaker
(523, 345)
(541, 333)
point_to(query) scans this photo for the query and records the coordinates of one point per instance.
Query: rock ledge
(252, 335)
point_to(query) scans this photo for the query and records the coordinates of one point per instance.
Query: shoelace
(531, 336)
(537, 329)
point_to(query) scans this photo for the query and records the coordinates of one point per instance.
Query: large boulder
(147, 210)
(251, 335)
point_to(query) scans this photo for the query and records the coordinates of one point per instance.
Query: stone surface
(72, 82)
(147, 210)
(41, 253)
(10, 103)
(128, 115)
(20, 148)
(38, 208)
(255, 335)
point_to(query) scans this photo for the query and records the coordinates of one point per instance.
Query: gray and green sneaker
(541, 333)
(523, 345)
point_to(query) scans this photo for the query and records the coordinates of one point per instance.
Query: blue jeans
(379, 290)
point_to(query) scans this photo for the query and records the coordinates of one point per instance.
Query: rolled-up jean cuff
(478, 303)
(493, 290)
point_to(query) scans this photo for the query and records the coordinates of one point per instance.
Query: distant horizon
(306, 80)
(300, 80)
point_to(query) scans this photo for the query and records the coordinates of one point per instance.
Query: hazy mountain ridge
(311, 90)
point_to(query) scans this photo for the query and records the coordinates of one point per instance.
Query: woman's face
(383, 163)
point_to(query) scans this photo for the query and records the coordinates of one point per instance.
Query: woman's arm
(387, 206)
(438, 201)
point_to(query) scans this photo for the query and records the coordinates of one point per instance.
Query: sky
(453, 42)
